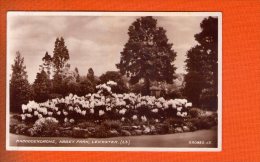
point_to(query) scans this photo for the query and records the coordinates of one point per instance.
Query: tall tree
(92, 78)
(59, 60)
(208, 39)
(77, 74)
(70, 80)
(20, 89)
(201, 81)
(195, 78)
(41, 87)
(91, 75)
(147, 55)
(47, 64)
(60, 55)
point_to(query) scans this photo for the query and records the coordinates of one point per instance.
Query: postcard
(114, 81)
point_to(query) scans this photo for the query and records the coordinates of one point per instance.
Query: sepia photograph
(114, 81)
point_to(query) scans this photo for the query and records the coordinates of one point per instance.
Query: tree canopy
(91, 75)
(147, 55)
(20, 89)
(47, 64)
(59, 61)
(42, 87)
(201, 81)
(60, 54)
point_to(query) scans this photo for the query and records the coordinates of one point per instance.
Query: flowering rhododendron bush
(105, 104)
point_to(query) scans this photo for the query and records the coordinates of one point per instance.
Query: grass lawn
(200, 138)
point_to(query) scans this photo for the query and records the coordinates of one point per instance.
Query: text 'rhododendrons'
(106, 105)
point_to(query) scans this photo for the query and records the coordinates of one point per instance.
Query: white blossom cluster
(99, 104)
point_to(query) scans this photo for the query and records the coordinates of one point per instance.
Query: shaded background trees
(201, 81)
(147, 55)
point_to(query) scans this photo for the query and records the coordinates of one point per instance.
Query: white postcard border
(134, 149)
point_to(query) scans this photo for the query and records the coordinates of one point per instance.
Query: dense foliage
(107, 114)
(201, 81)
(147, 58)
(41, 87)
(147, 55)
(20, 89)
(105, 104)
(117, 77)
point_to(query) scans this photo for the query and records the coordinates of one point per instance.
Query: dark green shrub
(125, 133)
(16, 117)
(86, 124)
(112, 124)
(20, 129)
(204, 122)
(191, 126)
(162, 128)
(113, 133)
(79, 133)
(195, 112)
(144, 111)
(101, 132)
(174, 121)
(14, 122)
(174, 94)
(45, 127)
(66, 133)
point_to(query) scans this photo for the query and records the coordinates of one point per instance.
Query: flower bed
(105, 114)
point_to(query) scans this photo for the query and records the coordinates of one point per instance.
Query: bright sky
(92, 41)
